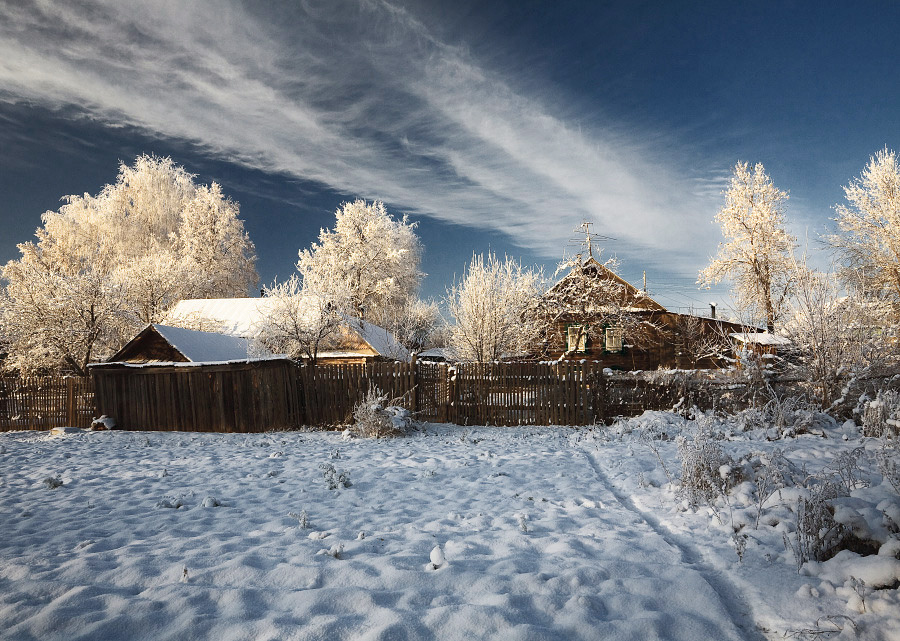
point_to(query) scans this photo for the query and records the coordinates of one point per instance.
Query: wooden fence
(565, 393)
(277, 394)
(45, 402)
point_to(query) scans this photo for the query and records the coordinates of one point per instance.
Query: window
(613, 339)
(576, 338)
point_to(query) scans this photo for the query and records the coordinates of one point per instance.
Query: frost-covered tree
(869, 242)
(369, 256)
(756, 255)
(299, 319)
(104, 265)
(495, 308)
(837, 338)
(416, 325)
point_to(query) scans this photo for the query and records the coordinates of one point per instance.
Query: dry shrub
(377, 417)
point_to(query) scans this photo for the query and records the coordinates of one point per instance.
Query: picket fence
(274, 395)
(45, 402)
(527, 393)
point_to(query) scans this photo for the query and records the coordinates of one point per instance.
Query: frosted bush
(818, 535)
(846, 471)
(783, 417)
(889, 463)
(334, 479)
(771, 474)
(375, 417)
(706, 470)
(881, 416)
(302, 518)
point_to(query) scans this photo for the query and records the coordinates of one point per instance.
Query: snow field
(535, 544)
(822, 599)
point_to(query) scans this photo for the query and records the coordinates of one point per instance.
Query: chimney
(712, 310)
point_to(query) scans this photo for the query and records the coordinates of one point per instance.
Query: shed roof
(193, 345)
(761, 338)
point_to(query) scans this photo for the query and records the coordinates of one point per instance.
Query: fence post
(71, 419)
(413, 387)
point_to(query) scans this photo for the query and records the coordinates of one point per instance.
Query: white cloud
(362, 98)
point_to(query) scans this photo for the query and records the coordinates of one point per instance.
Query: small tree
(757, 253)
(869, 245)
(415, 325)
(495, 309)
(836, 338)
(299, 319)
(370, 259)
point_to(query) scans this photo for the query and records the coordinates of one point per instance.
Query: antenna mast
(589, 237)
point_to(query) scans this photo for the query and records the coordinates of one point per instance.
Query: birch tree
(369, 256)
(756, 255)
(869, 243)
(104, 265)
(495, 307)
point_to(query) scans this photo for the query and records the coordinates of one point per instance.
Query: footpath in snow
(539, 535)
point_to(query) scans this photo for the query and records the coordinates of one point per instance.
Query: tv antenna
(589, 238)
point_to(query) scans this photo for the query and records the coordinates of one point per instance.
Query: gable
(595, 283)
(161, 343)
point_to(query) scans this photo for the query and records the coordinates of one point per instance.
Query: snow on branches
(757, 253)
(495, 307)
(103, 265)
(869, 245)
(370, 257)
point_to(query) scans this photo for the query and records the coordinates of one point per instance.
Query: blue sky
(495, 125)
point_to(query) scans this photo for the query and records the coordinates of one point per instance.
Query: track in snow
(737, 608)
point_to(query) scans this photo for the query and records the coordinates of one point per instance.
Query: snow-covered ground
(542, 533)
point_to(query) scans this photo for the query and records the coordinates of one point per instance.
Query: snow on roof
(233, 316)
(241, 317)
(761, 338)
(205, 347)
(437, 352)
(379, 339)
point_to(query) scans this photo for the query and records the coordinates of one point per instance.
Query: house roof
(630, 297)
(232, 316)
(242, 316)
(761, 338)
(193, 345)
(382, 341)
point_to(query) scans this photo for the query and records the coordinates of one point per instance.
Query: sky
(495, 126)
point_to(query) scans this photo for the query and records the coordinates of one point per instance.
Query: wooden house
(592, 313)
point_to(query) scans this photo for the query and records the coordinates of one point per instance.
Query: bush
(376, 417)
(334, 479)
(818, 536)
(706, 470)
(881, 417)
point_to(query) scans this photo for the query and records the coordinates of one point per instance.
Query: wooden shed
(164, 344)
(240, 396)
